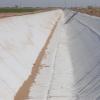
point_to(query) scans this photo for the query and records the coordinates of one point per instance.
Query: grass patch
(18, 10)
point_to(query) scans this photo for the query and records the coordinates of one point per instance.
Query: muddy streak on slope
(23, 92)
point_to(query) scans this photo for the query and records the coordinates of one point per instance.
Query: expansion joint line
(71, 17)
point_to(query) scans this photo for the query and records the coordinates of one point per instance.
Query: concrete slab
(72, 66)
(84, 47)
(22, 38)
(43, 80)
(61, 98)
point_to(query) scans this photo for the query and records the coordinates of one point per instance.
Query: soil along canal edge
(23, 92)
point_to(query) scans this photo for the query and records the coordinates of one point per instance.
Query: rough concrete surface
(71, 68)
(21, 40)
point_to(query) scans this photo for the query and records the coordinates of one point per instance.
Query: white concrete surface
(83, 34)
(55, 80)
(21, 40)
(72, 66)
(90, 21)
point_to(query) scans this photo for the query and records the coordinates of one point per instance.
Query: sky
(46, 3)
(32, 2)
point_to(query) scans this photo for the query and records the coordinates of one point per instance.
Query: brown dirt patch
(90, 11)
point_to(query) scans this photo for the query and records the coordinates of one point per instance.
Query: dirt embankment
(89, 10)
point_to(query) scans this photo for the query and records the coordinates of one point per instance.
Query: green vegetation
(18, 10)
